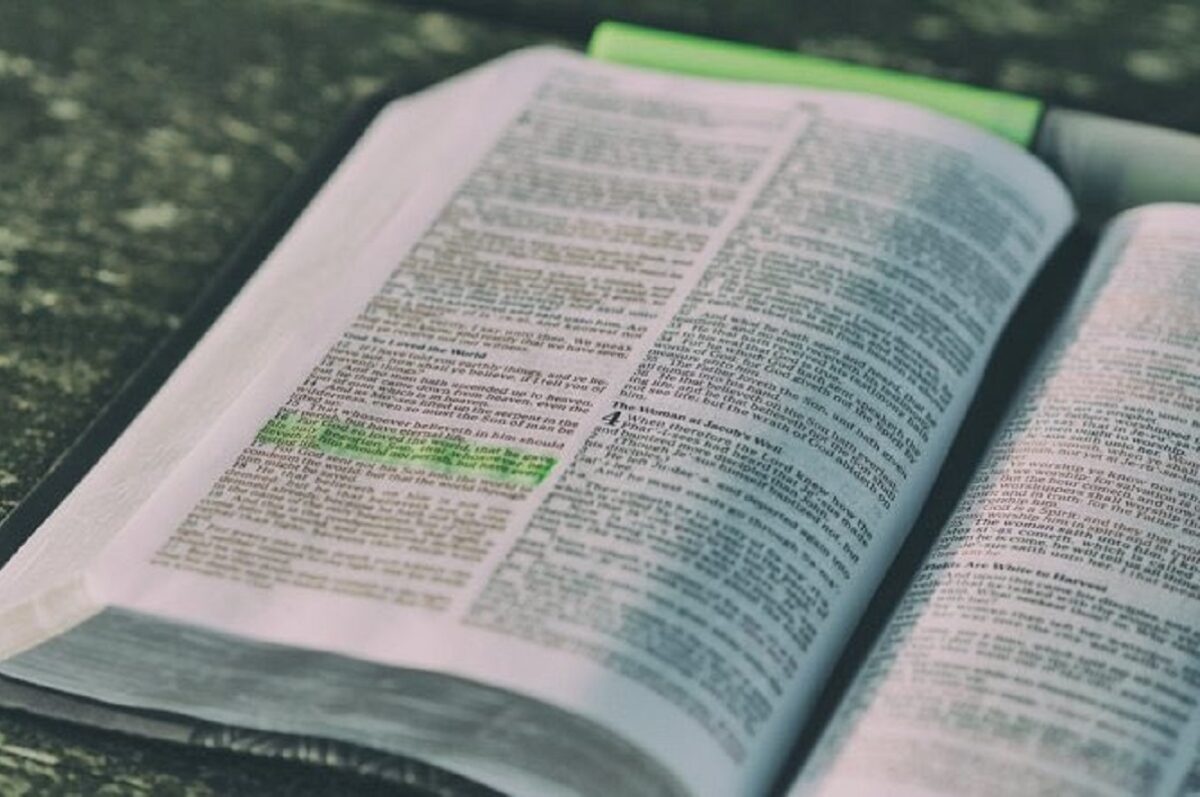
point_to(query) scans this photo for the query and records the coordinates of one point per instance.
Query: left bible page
(626, 410)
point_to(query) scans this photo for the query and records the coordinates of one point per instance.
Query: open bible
(564, 439)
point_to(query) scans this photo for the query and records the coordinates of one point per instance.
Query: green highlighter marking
(431, 453)
(1009, 115)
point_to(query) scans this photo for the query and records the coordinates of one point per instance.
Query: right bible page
(1050, 644)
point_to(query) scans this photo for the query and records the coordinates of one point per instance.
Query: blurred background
(140, 139)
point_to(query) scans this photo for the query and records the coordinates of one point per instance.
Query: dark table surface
(140, 139)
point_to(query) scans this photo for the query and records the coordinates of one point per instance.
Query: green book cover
(1009, 115)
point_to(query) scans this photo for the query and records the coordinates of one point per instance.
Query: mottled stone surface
(139, 139)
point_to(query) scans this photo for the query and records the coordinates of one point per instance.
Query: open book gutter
(688, 368)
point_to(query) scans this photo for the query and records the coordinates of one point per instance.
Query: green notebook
(1009, 115)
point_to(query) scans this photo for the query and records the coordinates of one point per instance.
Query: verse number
(612, 418)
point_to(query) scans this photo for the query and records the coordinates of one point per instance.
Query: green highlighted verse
(430, 453)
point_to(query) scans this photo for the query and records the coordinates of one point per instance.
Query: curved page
(1049, 644)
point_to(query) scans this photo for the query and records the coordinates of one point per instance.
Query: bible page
(637, 412)
(1049, 644)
